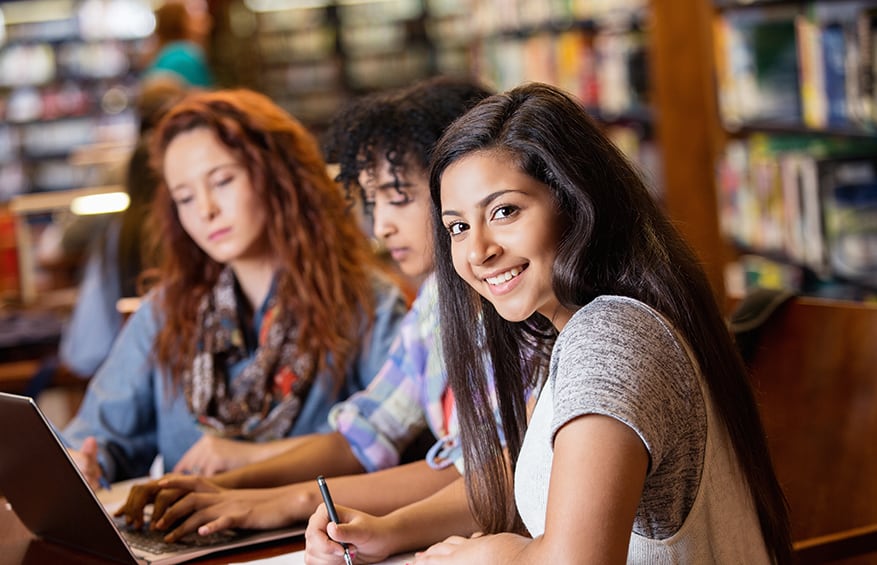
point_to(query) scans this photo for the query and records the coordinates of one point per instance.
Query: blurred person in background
(181, 31)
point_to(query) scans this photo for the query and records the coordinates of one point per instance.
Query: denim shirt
(133, 415)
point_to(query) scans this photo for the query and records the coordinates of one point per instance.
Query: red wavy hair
(327, 265)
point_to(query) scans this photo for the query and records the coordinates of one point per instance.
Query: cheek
(249, 208)
(458, 257)
(185, 216)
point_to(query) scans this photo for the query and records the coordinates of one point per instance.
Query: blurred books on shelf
(66, 81)
(809, 202)
(808, 65)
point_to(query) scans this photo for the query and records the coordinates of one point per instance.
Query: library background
(755, 123)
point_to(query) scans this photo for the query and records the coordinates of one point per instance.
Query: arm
(316, 454)
(118, 409)
(213, 454)
(614, 460)
(211, 509)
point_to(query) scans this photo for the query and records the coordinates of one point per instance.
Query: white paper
(298, 558)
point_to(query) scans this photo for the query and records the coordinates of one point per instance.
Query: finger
(192, 524)
(138, 497)
(89, 447)
(163, 499)
(316, 558)
(88, 463)
(176, 512)
(217, 525)
(316, 537)
(182, 482)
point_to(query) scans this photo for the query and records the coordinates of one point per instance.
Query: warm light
(37, 11)
(280, 5)
(105, 203)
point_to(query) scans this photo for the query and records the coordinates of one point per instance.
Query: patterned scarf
(262, 402)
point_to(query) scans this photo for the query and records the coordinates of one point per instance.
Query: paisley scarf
(262, 402)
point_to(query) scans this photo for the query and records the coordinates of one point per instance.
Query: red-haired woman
(271, 305)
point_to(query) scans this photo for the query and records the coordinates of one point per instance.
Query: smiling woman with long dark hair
(645, 445)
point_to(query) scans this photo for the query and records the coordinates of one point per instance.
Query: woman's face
(504, 235)
(214, 197)
(401, 216)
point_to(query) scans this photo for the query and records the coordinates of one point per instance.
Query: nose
(482, 247)
(207, 206)
(382, 221)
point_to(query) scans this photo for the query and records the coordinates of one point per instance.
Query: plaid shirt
(408, 395)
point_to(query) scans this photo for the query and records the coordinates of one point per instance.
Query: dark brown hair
(615, 240)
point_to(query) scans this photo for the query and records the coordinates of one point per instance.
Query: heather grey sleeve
(619, 358)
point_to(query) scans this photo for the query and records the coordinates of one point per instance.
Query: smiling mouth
(506, 276)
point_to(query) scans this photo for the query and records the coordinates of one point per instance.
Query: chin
(513, 315)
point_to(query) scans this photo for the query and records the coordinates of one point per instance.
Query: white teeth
(504, 277)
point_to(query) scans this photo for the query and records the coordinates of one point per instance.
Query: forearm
(375, 493)
(384, 491)
(301, 459)
(428, 521)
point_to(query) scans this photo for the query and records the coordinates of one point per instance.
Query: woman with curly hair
(270, 308)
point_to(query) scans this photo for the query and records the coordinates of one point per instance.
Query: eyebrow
(233, 164)
(481, 203)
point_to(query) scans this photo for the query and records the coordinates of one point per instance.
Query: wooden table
(19, 546)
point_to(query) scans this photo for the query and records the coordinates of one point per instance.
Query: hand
(143, 494)
(86, 460)
(366, 535)
(209, 508)
(499, 548)
(211, 455)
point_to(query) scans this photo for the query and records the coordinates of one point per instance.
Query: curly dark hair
(399, 126)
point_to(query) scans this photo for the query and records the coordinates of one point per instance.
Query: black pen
(333, 514)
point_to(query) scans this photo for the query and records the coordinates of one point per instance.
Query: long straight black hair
(615, 240)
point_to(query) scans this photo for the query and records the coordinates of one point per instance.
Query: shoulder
(619, 357)
(616, 322)
(617, 347)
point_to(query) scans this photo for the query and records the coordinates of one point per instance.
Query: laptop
(53, 500)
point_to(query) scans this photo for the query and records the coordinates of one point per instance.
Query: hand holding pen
(333, 514)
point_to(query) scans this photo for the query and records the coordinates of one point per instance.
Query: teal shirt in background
(184, 59)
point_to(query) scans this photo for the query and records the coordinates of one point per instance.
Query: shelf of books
(314, 55)
(65, 82)
(797, 176)
(597, 50)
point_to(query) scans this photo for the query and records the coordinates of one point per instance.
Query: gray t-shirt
(620, 358)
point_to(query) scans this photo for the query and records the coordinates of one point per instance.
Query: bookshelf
(797, 161)
(312, 56)
(598, 51)
(65, 82)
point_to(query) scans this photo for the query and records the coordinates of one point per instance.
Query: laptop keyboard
(153, 542)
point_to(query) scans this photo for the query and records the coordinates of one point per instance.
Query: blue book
(833, 60)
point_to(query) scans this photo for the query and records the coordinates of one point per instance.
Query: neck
(254, 277)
